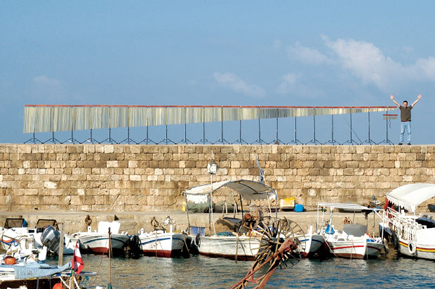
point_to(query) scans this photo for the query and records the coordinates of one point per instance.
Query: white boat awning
(412, 195)
(249, 190)
(343, 206)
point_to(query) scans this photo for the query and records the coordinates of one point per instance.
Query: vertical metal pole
(295, 131)
(147, 132)
(369, 127)
(166, 125)
(259, 127)
(203, 125)
(222, 124)
(332, 127)
(386, 130)
(314, 125)
(61, 245)
(128, 135)
(277, 114)
(128, 128)
(240, 125)
(351, 139)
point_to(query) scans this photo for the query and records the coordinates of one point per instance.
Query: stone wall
(102, 177)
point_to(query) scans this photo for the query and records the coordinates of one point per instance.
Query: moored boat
(352, 241)
(98, 241)
(160, 243)
(412, 235)
(241, 244)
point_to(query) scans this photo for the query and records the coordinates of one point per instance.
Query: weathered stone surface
(118, 178)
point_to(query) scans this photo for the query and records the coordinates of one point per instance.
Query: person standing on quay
(405, 118)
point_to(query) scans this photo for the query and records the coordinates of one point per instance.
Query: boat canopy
(412, 195)
(249, 190)
(344, 206)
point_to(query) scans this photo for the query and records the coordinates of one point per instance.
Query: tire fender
(395, 241)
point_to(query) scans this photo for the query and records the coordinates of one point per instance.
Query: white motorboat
(160, 243)
(352, 241)
(16, 234)
(98, 241)
(412, 235)
(229, 246)
(311, 242)
(234, 245)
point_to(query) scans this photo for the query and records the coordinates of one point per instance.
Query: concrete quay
(132, 222)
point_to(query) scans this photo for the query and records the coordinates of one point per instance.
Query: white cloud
(293, 84)
(367, 62)
(232, 81)
(288, 81)
(305, 54)
(425, 69)
(48, 88)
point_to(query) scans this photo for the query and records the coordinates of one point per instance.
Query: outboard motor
(134, 245)
(51, 238)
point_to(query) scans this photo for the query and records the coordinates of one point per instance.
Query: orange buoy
(57, 286)
(10, 260)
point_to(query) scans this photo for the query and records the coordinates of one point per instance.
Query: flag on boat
(77, 261)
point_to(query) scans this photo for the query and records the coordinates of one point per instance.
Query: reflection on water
(204, 272)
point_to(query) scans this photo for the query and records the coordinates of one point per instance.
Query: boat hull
(311, 244)
(355, 249)
(99, 243)
(423, 247)
(162, 244)
(242, 248)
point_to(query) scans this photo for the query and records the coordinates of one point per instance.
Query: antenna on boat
(212, 169)
(260, 171)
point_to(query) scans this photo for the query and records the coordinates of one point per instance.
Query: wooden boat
(411, 235)
(98, 241)
(352, 241)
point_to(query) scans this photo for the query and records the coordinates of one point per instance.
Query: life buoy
(395, 241)
(412, 248)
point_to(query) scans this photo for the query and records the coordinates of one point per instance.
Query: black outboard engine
(51, 238)
(134, 245)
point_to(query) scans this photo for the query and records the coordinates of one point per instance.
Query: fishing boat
(411, 234)
(161, 243)
(230, 244)
(98, 241)
(311, 242)
(352, 241)
(15, 233)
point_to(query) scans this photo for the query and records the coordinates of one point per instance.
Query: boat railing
(403, 225)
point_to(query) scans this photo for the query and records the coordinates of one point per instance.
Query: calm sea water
(203, 272)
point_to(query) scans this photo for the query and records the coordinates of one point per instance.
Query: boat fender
(395, 241)
(198, 239)
(412, 248)
(10, 260)
(329, 230)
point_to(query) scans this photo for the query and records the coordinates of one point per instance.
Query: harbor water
(390, 271)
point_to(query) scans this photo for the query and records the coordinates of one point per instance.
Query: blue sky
(324, 53)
